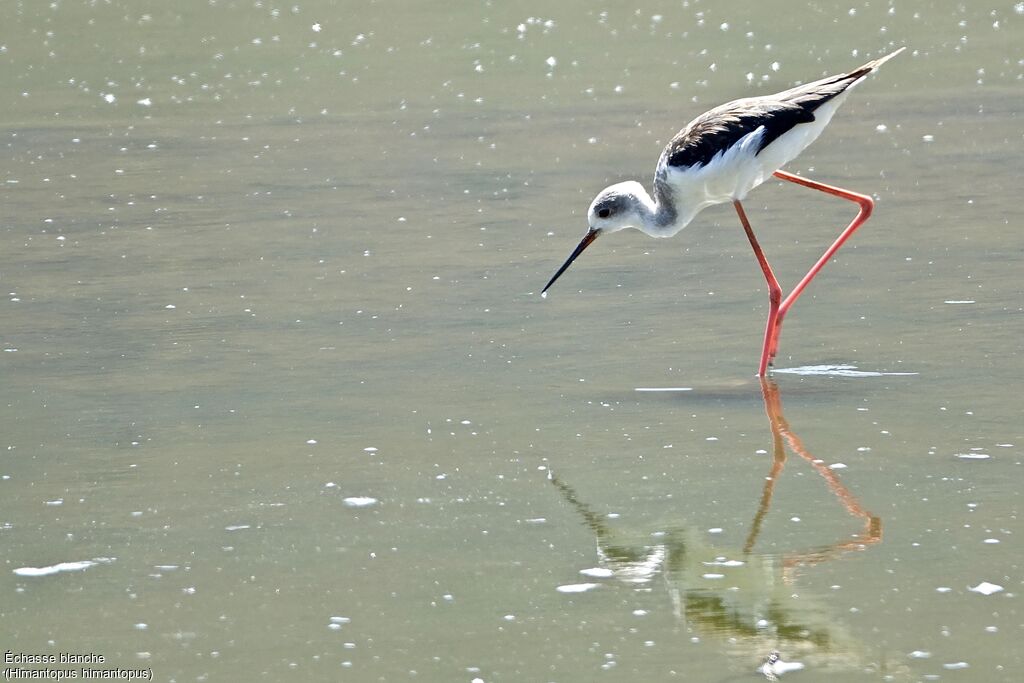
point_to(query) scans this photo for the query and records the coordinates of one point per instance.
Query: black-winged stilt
(719, 157)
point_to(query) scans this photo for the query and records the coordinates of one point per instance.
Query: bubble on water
(986, 588)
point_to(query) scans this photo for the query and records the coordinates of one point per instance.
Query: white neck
(661, 216)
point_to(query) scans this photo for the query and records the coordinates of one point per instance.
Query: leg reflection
(781, 436)
(740, 596)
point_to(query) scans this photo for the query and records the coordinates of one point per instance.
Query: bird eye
(604, 213)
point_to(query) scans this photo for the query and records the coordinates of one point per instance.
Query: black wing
(714, 131)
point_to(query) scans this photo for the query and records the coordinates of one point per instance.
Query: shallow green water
(275, 363)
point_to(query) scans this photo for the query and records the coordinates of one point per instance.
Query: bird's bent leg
(866, 205)
(771, 330)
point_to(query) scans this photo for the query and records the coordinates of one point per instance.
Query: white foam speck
(955, 665)
(920, 654)
(724, 563)
(713, 576)
(973, 456)
(772, 670)
(61, 567)
(959, 301)
(577, 587)
(839, 371)
(597, 572)
(359, 501)
(664, 389)
(986, 588)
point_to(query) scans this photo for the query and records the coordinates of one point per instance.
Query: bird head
(615, 208)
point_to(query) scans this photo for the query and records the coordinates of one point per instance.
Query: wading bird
(719, 157)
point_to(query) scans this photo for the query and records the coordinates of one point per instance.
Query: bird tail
(874, 64)
(852, 78)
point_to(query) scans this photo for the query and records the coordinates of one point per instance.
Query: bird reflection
(738, 594)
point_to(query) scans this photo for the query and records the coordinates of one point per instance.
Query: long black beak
(584, 243)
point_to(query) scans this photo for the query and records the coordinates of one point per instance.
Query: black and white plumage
(722, 155)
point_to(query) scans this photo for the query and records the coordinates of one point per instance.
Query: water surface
(281, 400)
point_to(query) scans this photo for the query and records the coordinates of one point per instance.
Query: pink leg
(777, 310)
(774, 293)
